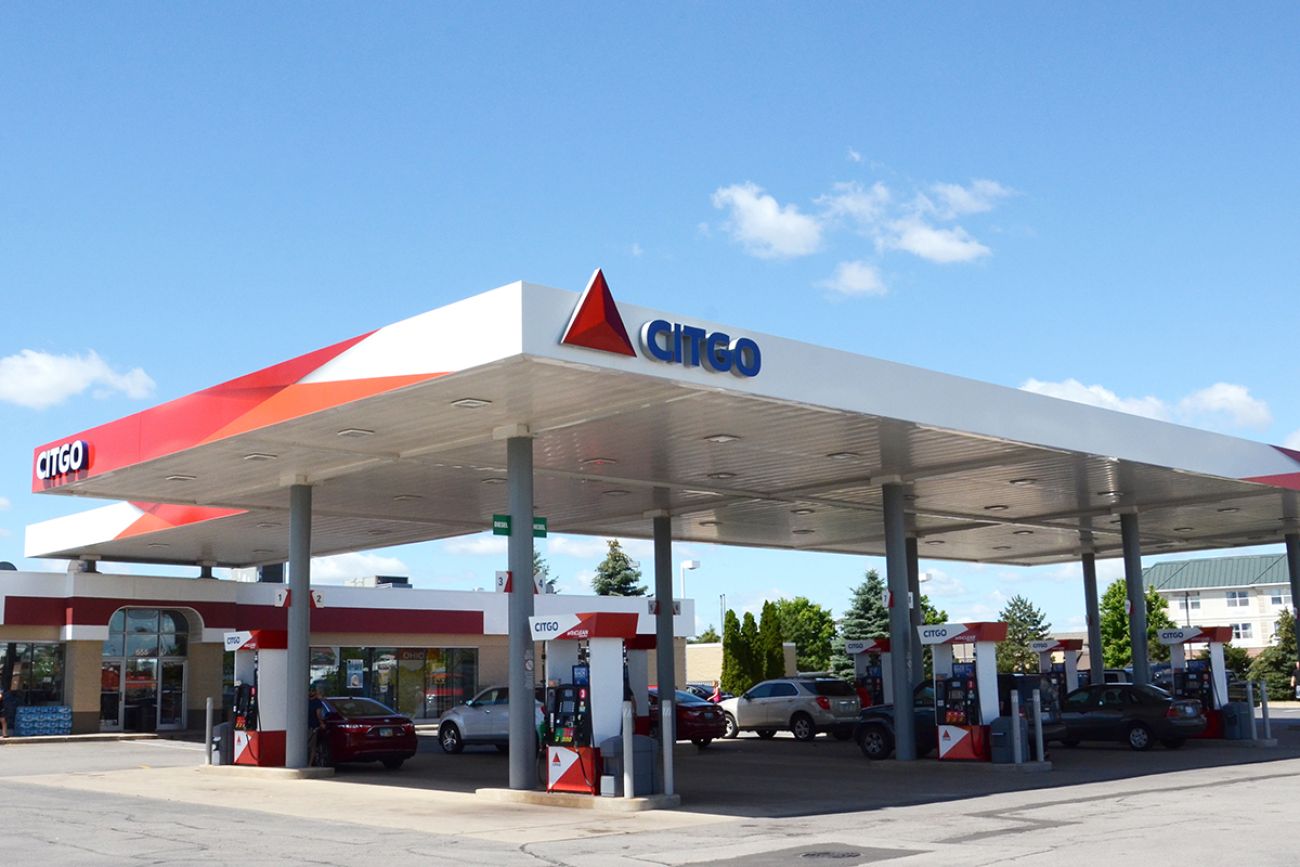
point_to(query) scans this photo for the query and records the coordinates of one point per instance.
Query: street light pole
(687, 564)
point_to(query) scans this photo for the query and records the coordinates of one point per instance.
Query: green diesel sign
(501, 526)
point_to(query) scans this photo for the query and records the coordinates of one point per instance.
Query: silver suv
(804, 705)
(484, 719)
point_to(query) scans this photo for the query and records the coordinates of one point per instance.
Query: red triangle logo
(556, 760)
(595, 323)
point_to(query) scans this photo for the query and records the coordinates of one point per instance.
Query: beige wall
(704, 661)
(29, 633)
(204, 681)
(81, 683)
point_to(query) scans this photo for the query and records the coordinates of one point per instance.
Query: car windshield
(832, 687)
(355, 707)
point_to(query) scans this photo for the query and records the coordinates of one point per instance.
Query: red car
(363, 730)
(698, 721)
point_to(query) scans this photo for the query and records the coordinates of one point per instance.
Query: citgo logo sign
(63, 459)
(596, 324)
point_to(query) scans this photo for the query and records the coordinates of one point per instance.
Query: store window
(33, 672)
(1280, 597)
(420, 682)
(1238, 598)
(143, 670)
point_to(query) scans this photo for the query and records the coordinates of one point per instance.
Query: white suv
(484, 719)
(804, 705)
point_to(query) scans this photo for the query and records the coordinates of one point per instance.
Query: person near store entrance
(1295, 680)
(4, 711)
(315, 726)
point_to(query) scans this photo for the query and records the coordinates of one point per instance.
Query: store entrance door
(110, 695)
(171, 695)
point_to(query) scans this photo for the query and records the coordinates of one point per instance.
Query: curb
(580, 802)
(271, 773)
(14, 740)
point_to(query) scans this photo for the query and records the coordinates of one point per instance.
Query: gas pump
(1202, 679)
(965, 693)
(579, 717)
(1064, 675)
(261, 685)
(871, 670)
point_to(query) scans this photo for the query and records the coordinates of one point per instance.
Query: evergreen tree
(1025, 623)
(811, 627)
(708, 636)
(732, 653)
(769, 643)
(866, 617)
(755, 664)
(1276, 662)
(931, 615)
(1117, 646)
(615, 576)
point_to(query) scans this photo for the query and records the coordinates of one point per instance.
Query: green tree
(1116, 643)
(930, 614)
(616, 576)
(1276, 662)
(542, 573)
(1025, 623)
(866, 617)
(708, 636)
(811, 627)
(755, 664)
(733, 651)
(1235, 659)
(769, 643)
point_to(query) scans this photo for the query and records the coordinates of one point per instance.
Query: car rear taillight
(823, 702)
(353, 727)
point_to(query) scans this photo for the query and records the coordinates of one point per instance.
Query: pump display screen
(567, 706)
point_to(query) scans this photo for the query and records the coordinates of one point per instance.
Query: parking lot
(745, 801)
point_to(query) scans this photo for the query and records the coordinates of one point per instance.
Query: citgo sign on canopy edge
(597, 324)
(62, 459)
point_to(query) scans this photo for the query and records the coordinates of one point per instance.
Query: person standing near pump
(315, 727)
(1295, 681)
(4, 710)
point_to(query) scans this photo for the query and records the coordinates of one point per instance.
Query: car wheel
(875, 742)
(701, 743)
(732, 729)
(449, 738)
(1139, 737)
(842, 733)
(765, 734)
(393, 764)
(1069, 742)
(1173, 743)
(802, 727)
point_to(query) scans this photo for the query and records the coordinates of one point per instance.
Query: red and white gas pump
(583, 715)
(1194, 679)
(965, 694)
(261, 687)
(872, 676)
(1066, 677)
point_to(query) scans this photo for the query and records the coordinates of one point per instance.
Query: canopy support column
(298, 653)
(917, 656)
(1293, 568)
(901, 638)
(1137, 615)
(665, 673)
(523, 733)
(1096, 660)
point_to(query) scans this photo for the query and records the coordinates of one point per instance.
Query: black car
(874, 731)
(1130, 713)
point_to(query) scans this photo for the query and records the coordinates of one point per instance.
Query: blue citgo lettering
(717, 352)
(746, 357)
(651, 333)
(696, 338)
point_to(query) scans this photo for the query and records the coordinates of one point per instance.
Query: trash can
(1001, 746)
(223, 744)
(646, 773)
(1236, 721)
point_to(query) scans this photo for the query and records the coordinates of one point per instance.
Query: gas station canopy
(742, 438)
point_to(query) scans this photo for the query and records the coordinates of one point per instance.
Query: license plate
(385, 732)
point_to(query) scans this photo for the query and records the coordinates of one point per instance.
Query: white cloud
(854, 156)
(358, 564)
(477, 546)
(5, 504)
(855, 278)
(1234, 401)
(940, 585)
(1293, 441)
(763, 226)
(1096, 395)
(954, 200)
(945, 246)
(865, 207)
(38, 380)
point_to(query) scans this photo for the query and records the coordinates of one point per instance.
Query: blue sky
(1094, 202)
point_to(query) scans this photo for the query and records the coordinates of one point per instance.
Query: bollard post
(207, 728)
(1263, 706)
(1250, 705)
(1017, 755)
(628, 777)
(1038, 726)
(668, 732)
